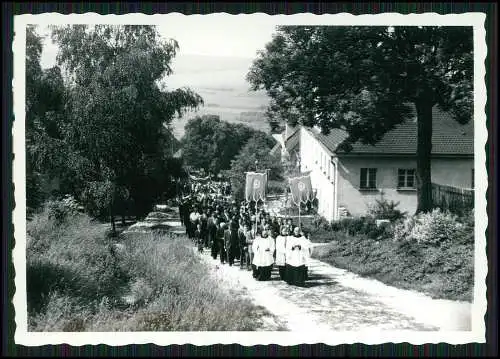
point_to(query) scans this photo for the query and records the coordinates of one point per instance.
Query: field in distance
(221, 82)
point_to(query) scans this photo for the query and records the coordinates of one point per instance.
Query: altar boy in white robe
(263, 247)
(296, 258)
(280, 258)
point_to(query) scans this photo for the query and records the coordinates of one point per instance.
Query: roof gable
(448, 138)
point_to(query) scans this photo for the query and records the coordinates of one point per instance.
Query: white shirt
(281, 250)
(263, 249)
(194, 216)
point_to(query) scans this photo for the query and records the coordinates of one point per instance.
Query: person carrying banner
(263, 261)
(280, 258)
(295, 258)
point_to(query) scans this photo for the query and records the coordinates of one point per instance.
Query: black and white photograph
(249, 179)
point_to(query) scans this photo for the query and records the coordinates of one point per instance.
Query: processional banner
(255, 188)
(301, 189)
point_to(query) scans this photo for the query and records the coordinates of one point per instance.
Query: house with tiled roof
(351, 182)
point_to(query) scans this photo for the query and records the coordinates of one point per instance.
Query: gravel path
(332, 300)
(323, 304)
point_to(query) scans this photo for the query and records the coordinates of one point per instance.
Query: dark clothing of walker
(231, 245)
(262, 273)
(295, 275)
(220, 245)
(204, 229)
(199, 240)
(212, 238)
(243, 248)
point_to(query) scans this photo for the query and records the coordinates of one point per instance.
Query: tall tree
(117, 103)
(367, 80)
(211, 144)
(45, 98)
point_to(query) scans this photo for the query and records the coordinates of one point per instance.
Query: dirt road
(333, 299)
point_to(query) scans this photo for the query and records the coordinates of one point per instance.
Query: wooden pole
(299, 217)
(255, 234)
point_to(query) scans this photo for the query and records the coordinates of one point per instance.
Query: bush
(386, 210)
(320, 222)
(429, 228)
(61, 210)
(71, 257)
(443, 270)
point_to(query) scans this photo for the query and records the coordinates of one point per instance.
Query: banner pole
(255, 234)
(299, 217)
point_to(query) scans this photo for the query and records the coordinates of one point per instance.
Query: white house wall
(317, 160)
(314, 158)
(452, 172)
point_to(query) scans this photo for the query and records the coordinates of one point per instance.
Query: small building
(350, 183)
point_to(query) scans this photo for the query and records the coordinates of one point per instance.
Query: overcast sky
(231, 38)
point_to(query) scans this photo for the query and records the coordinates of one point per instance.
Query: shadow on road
(311, 284)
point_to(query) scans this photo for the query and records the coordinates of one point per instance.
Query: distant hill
(221, 82)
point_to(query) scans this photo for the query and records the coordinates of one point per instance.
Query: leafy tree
(255, 153)
(211, 144)
(117, 106)
(45, 98)
(367, 80)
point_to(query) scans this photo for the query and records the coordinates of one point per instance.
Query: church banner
(255, 188)
(301, 189)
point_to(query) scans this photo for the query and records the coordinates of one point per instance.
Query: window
(368, 178)
(406, 178)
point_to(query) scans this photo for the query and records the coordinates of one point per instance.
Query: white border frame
(477, 334)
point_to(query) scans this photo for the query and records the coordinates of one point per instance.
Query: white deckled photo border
(476, 334)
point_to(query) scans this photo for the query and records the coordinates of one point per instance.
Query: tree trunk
(424, 149)
(123, 220)
(112, 219)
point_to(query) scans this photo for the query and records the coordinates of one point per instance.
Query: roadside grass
(442, 272)
(79, 280)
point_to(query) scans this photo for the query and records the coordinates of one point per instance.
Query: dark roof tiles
(448, 138)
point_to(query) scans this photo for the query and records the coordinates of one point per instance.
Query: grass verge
(442, 272)
(79, 280)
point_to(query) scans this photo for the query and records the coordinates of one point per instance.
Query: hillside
(221, 82)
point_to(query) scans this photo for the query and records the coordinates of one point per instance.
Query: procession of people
(244, 234)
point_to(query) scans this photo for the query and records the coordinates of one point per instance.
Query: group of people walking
(255, 239)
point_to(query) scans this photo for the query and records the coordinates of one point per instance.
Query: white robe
(295, 256)
(281, 250)
(263, 249)
(305, 250)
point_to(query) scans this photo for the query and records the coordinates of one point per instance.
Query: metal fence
(453, 199)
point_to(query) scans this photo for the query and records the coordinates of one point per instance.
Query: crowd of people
(247, 235)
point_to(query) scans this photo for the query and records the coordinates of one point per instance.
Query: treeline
(95, 122)
(230, 150)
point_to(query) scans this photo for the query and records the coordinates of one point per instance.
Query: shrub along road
(333, 299)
